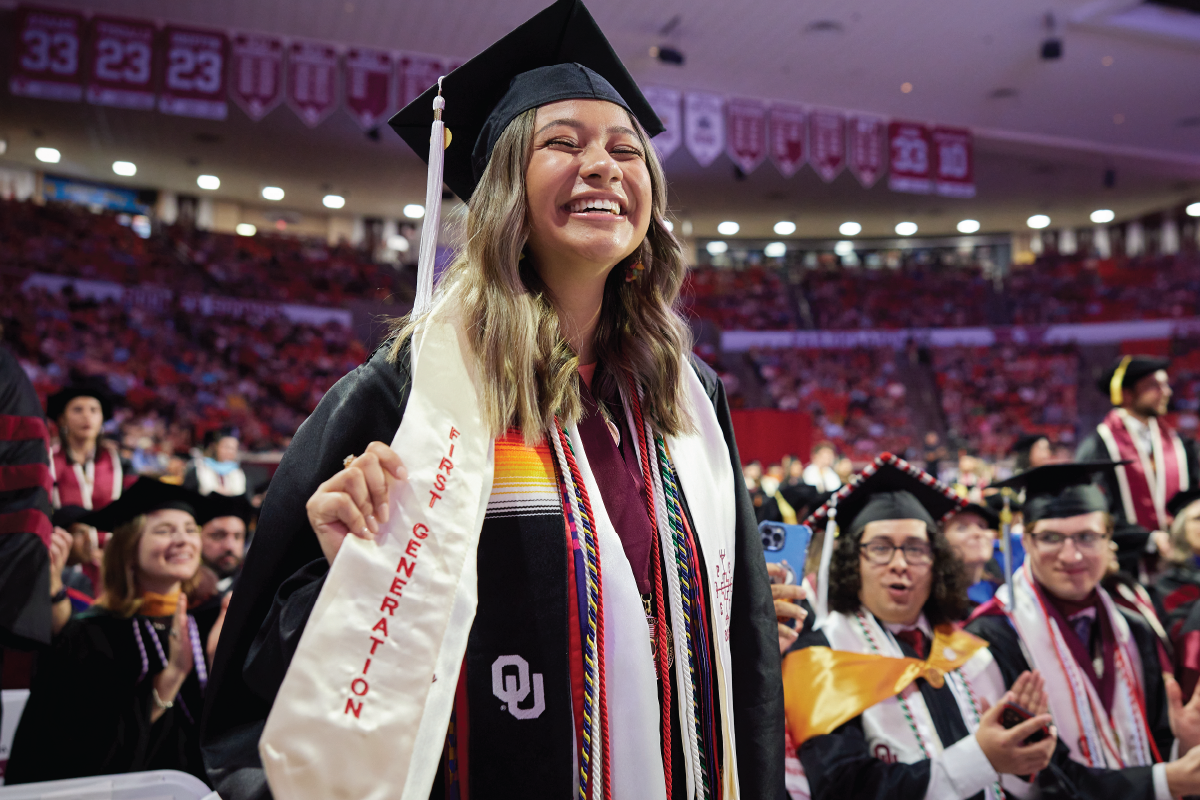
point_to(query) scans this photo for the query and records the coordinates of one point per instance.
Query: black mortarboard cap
(67, 516)
(1055, 491)
(1132, 369)
(1026, 441)
(558, 54)
(1182, 500)
(144, 496)
(219, 505)
(995, 502)
(889, 488)
(990, 516)
(95, 387)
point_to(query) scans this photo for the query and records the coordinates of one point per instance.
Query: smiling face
(588, 189)
(897, 591)
(1070, 573)
(169, 549)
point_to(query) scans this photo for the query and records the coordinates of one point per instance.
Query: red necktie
(915, 639)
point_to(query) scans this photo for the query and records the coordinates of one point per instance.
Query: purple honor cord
(197, 654)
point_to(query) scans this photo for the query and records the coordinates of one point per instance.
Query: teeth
(610, 206)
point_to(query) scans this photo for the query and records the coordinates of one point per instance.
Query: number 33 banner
(194, 75)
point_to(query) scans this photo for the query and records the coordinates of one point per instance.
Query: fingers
(352, 482)
(787, 591)
(389, 459)
(787, 636)
(339, 507)
(789, 610)
(1029, 727)
(777, 573)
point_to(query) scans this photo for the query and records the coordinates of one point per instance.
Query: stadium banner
(47, 55)
(121, 63)
(312, 81)
(865, 138)
(369, 90)
(668, 105)
(747, 126)
(954, 162)
(194, 75)
(256, 73)
(787, 132)
(909, 147)
(704, 126)
(416, 74)
(827, 143)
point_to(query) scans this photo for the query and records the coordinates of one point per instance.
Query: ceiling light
(670, 226)
(1038, 221)
(272, 193)
(47, 154)
(716, 248)
(785, 228)
(414, 211)
(968, 226)
(209, 182)
(906, 87)
(849, 229)
(728, 228)
(775, 250)
(843, 248)
(906, 228)
(1102, 215)
(245, 229)
(333, 201)
(1107, 61)
(398, 243)
(126, 168)
(1193, 210)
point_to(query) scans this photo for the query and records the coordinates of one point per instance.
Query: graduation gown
(523, 607)
(1131, 783)
(1093, 448)
(89, 706)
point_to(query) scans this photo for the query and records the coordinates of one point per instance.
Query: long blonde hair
(528, 369)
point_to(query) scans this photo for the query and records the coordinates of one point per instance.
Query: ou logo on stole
(512, 689)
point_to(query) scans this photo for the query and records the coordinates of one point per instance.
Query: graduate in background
(886, 699)
(1122, 723)
(1179, 587)
(121, 689)
(88, 469)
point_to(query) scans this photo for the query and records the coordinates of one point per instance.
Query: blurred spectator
(820, 473)
(122, 688)
(935, 453)
(223, 534)
(81, 568)
(1032, 450)
(218, 469)
(88, 470)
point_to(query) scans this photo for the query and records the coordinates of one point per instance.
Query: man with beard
(1134, 431)
(223, 537)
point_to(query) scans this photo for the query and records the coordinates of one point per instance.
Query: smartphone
(783, 542)
(1013, 715)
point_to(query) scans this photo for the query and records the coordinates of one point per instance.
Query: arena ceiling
(1123, 97)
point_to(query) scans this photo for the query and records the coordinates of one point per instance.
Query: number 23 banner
(194, 76)
(121, 63)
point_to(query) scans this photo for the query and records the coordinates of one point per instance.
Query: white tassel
(831, 533)
(433, 209)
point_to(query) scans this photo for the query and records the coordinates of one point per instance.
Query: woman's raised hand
(355, 500)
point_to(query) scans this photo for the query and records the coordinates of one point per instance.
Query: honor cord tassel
(1006, 516)
(423, 301)
(827, 545)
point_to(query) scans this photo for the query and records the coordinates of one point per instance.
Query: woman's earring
(634, 271)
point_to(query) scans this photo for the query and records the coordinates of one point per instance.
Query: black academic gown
(89, 713)
(286, 570)
(840, 765)
(1132, 783)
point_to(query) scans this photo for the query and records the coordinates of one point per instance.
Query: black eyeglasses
(880, 552)
(1050, 542)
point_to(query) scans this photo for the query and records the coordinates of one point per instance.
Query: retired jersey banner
(668, 105)
(866, 137)
(256, 73)
(704, 126)
(368, 89)
(121, 63)
(954, 162)
(194, 77)
(909, 147)
(47, 55)
(312, 84)
(786, 133)
(416, 74)
(827, 143)
(747, 128)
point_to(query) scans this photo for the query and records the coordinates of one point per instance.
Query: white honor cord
(433, 208)
(827, 545)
